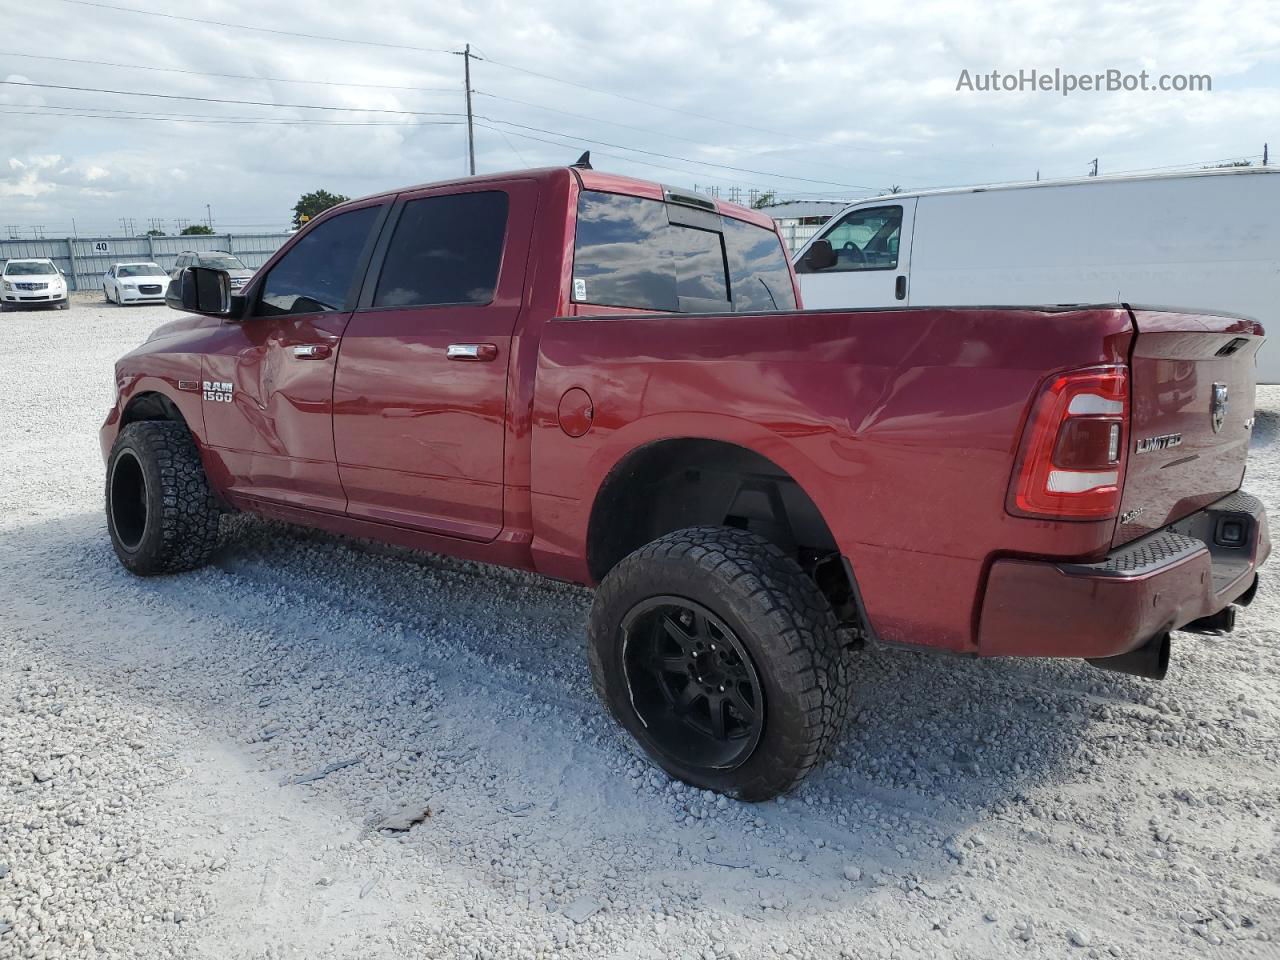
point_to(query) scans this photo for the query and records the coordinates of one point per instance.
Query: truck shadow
(471, 683)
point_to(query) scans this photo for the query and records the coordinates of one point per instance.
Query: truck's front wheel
(162, 516)
(716, 651)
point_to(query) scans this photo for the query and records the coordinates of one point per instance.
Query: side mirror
(202, 290)
(819, 256)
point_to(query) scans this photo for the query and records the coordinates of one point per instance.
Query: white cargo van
(1207, 240)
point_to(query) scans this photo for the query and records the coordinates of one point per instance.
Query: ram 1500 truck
(610, 382)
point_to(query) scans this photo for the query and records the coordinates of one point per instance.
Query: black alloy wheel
(692, 683)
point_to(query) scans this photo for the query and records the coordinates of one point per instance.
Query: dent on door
(275, 432)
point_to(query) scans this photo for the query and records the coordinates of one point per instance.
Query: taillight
(1071, 465)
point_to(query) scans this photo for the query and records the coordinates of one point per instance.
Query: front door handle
(482, 352)
(311, 351)
(900, 288)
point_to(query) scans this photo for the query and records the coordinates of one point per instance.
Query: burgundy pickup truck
(610, 382)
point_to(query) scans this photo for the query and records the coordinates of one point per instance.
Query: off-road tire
(776, 612)
(178, 527)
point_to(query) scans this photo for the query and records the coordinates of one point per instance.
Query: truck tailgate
(1192, 382)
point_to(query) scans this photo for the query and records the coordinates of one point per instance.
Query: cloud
(821, 99)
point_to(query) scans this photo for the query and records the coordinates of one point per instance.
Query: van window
(445, 250)
(865, 240)
(758, 274)
(317, 272)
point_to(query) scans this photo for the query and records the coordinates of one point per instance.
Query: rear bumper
(1189, 570)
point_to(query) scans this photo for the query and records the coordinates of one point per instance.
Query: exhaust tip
(1224, 621)
(1151, 660)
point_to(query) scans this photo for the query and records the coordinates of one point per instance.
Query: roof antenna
(584, 161)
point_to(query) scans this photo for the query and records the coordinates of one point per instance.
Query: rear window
(628, 253)
(758, 271)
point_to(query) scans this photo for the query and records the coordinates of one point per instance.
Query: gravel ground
(198, 766)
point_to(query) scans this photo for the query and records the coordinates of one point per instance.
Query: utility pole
(208, 215)
(471, 133)
(1094, 172)
(1264, 154)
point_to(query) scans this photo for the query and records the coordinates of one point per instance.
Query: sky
(804, 100)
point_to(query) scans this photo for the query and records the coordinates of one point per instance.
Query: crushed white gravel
(318, 749)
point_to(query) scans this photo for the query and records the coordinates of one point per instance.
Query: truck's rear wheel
(162, 516)
(716, 651)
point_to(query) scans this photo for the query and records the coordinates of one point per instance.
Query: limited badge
(218, 391)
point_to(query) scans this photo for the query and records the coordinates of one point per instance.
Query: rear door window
(646, 255)
(444, 250)
(318, 272)
(622, 256)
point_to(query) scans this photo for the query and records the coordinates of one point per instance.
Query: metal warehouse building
(800, 219)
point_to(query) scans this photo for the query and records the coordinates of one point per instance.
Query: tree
(764, 199)
(153, 232)
(196, 230)
(313, 204)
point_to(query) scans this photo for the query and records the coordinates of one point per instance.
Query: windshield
(139, 270)
(30, 268)
(221, 261)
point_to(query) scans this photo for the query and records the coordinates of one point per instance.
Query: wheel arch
(672, 483)
(153, 405)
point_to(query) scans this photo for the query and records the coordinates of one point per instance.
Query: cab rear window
(629, 253)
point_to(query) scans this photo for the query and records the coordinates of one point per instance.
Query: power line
(624, 126)
(583, 116)
(252, 103)
(233, 76)
(499, 63)
(246, 121)
(647, 103)
(579, 144)
(243, 26)
(668, 156)
(420, 113)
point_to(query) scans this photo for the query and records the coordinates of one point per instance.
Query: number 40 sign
(101, 246)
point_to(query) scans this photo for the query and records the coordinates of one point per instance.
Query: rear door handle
(311, 351)
(482, 352)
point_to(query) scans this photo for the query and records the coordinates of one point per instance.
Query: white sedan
(135, 283)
